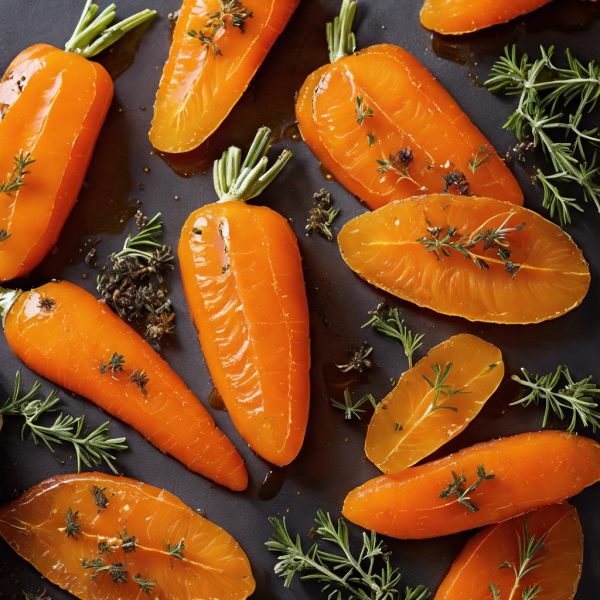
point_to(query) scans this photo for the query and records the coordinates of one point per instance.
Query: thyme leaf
(371, 139)
(352, 409)
(457, 487)
(362, 110)
(482, 156)
(15, 180)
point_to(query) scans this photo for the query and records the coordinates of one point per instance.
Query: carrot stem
(340, 39)
(7, 300)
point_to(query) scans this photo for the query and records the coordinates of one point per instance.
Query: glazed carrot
(64, 334)
(528, 273)
(52, 106)
(242, 276)
(453, 17)
(386, 129)
(217, 48)
(558, 559)
(100, 536)
(408, 505)
(433, 402)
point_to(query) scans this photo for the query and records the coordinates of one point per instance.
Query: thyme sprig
(352, 409)
(100, 499)
(116, 569)
(16, 179)
(543, 113)
(439, 387)
(128, 542)
(73, 528)
(340, 39)
(93, 448)
(145, 585)
(358, 577)
(462, 494)
(482, 156)
(576, 396)
(398, 164)
(389, 323)
(322, 215)
(175, 550)
(362, 110)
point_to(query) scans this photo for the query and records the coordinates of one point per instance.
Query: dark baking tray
(332, 460)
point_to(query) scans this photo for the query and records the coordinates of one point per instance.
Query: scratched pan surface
(332, 461)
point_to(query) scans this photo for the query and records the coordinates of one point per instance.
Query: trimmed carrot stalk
(211, 63)
(526, 274)
(242, 275)
(490, 558)
(386, 129)
(52, 106)
(433, 402)
(455, 17)
(425, 501)
(100, 536)
(67, 336)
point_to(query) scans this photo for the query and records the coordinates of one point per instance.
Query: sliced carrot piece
(199, 88)
(111, 511)
(416, 418)
(560, 558)
(454, 17)
(408, 505)
(64, 334)
(410, 110)
(549, 274)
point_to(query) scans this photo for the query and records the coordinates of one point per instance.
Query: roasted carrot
(477, 258)
(100, 536)
(548, 540)
(386, 129)
(453, 17)
(64, 334)
(217, 48)
(52, 106)
(511, 477)
(433, 402)
(242, 276)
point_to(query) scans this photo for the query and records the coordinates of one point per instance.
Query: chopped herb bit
(440, 387)
(359, 361)
(4, 235)
(362, 110)
(104, 548)
(100, 499)
(322, 215)
(116, 570)
(175, 550)
(495, 592)
(158, 324)
(91, 258)
(47, 304)
(115, 364)
(398, 427)
(15, 181)
(371, 139)
(576, 396)
(352, 409)
(141, 220)
(458, 180)
(206, 36)
(484, 155)
(73, 528)
(141, 379)
(457, 487)
(398, 164)
(145, 585)
(127, 542)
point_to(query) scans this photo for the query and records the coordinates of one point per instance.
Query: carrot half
(476, 569)
(536, 273)
(433, 402)
(386, 129)
(242, 276)
(100, 536)
(64, 334)
(416, 503)
(202, 81)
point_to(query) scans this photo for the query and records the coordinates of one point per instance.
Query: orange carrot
(64, 334)
(386, 129)
(425, 501)
(100, 536)
(217, 48)
(517, 274)
(52, 106)
(557, 536)
(242, 276)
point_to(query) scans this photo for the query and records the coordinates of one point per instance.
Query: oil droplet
(272, 484)
(327, 173)
(292, 132)
(336, 381)
(146, 169)
(215, 400)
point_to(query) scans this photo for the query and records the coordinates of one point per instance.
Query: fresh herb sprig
(116, 570)
(482, 156)
(553, 102)
(145, 585)
(440, 387)
(389, 323)
(457, 486)
(398, 164)
(358, 577)
(175, 550)
(362, 110)
(92, 448)
(16, 179)
(579, 397)
(352, 409)
(73, 528)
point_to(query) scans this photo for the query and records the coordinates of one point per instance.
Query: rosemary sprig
(340, 39)
(389, 323)
(359, 360)
(483, 156)
(175, 550)
(545, 91)
(576, 396)
(145, 585)
(93, 448)
(116, 570)
(439, 387)
(322, 215)
(362, 110)
(358, 577)
(350, 408)
(15, 181)
(462, 494)
(73, 528)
